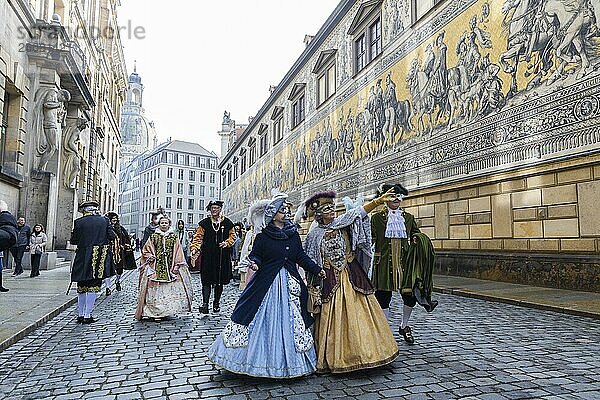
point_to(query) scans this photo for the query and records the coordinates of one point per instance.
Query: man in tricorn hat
(93, 262)
(213, 239)
(403, 259)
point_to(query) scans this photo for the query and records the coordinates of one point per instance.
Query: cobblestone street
(466, 349)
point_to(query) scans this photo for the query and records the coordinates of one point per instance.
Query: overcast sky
(199, 58)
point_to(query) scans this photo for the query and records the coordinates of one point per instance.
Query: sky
(198, 58)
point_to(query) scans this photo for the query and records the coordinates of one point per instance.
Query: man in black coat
(213, 240)
(8, 233)
(93, 262)
(17, 251)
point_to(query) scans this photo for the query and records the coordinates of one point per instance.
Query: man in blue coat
(93, 262)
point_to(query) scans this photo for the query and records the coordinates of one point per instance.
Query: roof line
(336, 16)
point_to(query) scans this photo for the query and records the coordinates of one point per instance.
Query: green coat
(382, 262)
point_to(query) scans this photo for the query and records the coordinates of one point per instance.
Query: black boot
(204, 308)
(217, 301)
(2, 288)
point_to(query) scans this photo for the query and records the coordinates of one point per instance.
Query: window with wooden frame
(419, 8)
(366, 30)
(277, 118)
(326, 76)
(263, 139)
(298, 99)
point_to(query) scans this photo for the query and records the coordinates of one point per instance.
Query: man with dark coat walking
(213, 240)
(93, 262)
(8, 234)
(18, 250)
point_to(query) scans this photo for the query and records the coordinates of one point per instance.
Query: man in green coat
(403, 261)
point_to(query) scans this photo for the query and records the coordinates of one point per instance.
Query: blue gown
(269, 331)
(276, 344)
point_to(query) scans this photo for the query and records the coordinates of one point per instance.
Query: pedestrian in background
(8, 235)
(17, 251)
(122, 252)
(184, 239)
(37, 247)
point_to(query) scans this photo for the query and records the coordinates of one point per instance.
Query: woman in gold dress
(165, 282)
(351, 331)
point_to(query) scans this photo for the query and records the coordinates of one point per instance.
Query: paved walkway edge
(520, 303)
(27, 330)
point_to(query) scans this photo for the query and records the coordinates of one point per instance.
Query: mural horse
(547, 28)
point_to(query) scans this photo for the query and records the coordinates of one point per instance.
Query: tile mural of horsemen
(492, 57)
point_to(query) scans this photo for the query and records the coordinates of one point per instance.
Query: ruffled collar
(280, 233)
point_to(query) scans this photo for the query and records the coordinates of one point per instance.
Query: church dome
(135, 78)
(136, 130)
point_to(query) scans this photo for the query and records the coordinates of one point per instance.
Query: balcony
(50, 47)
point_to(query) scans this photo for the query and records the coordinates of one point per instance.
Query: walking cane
(70, 275)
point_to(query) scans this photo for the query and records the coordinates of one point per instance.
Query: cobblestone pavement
(466, 349)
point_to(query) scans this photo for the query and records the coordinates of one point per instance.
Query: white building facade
(180, 177)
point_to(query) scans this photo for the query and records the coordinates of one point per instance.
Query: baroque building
(62, 84)
(487, 111)
(138, 134)
(180, 177)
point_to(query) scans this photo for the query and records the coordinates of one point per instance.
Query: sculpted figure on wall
(49, 116)
(71, 151)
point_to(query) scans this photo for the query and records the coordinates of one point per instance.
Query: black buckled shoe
(90, 320)
(204, 309)
(432, 305)
(407, 335)
(216, 308)
(118, 286)
(108, 292)
(80, 320)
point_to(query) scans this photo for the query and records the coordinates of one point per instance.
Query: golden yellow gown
(351, 332)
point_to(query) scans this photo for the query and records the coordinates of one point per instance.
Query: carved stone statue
(50, 114)
(226, 118)
(71, 151)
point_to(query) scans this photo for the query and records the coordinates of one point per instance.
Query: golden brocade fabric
(351, 332)
(164, 246)
(396, 263)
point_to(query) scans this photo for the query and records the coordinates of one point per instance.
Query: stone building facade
(180, 177)
(62, 84)
(487, 111)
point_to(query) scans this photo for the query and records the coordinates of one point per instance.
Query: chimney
(250, 118)
(308, 39)
(272, 88)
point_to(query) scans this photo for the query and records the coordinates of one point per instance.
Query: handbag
(315, 301)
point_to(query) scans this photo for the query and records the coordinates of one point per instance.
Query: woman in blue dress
(269, 331)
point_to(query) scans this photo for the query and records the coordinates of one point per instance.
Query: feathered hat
(274, 205)
(256, 214)
(313, 203)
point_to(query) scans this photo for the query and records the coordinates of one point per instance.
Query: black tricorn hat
(89, 203)
(398, 189)
(111, 215)
(214, 203)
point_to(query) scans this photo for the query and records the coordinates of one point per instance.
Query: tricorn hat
(111, 215)
(398, 189)
(89, 203)
(214, 203)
